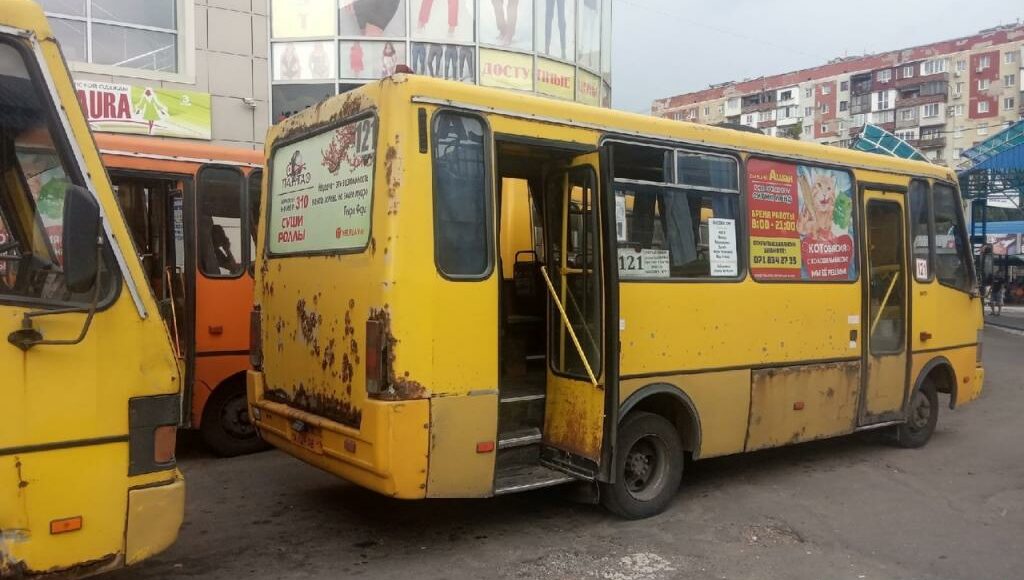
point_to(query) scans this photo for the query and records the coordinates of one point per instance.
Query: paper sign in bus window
(322, 190)
(801, 222)
(643, 263)
(722, 247)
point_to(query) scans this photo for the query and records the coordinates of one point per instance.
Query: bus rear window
(321, 191)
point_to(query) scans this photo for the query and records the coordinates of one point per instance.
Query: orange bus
(189, 207)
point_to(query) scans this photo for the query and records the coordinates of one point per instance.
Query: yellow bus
(466, 292)
(88, 378)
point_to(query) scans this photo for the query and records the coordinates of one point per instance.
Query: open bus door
(575, 409)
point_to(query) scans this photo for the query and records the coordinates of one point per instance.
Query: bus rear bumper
(387, 453)
(155, 514)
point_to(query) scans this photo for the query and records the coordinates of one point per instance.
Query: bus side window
(919, 238)
(664, 230)
(952, 264)
(461, 222)
(219, 224)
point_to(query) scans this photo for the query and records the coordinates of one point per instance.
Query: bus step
(520, 397)
(519, 438)
(518, 478)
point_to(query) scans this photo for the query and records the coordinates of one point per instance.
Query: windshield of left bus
(34, 177)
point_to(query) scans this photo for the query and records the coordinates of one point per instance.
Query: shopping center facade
(224, 70)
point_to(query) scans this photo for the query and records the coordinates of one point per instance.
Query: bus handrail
(568, 326)
(174, 313)
(885, 300)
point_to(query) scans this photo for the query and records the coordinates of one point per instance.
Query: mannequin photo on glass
(372, 18)
(507, 23)
(443, 20)
(555, 25)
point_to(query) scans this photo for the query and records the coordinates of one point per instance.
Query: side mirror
(80, 237)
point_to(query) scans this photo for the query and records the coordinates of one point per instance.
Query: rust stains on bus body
(295, 126)
(399, 387)
(805, 402)
(323, 403)
(393, 174)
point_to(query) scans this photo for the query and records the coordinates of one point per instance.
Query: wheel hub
(236, 419)
(921, 412)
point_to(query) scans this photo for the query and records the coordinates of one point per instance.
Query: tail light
(255, 339)
(376, 357)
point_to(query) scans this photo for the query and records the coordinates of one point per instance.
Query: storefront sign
(321, 191)
(588, 88)
(801, 222)
(507, 70)
(143, 110)
(555, 79)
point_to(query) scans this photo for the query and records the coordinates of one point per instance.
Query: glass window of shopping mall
(558, 48)
(132, 34)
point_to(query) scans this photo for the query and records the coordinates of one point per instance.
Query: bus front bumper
(155, 514)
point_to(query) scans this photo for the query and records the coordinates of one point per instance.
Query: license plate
(310, 440)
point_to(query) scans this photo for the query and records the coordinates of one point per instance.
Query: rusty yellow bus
(89, 386)
(466, 292)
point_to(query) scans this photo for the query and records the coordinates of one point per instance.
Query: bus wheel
(648, 467)
(922, 415)
(226, 427)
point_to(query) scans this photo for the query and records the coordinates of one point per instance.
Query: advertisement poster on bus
(145, 110)
(322, 190)
(801, 222)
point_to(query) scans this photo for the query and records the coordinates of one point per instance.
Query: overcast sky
(662, 48)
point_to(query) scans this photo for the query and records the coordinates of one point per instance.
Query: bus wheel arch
(672, 403)
(939, 371)
(225, 424)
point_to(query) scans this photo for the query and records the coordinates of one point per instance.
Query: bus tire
(648, 467)
(922, 416)
(226, 428)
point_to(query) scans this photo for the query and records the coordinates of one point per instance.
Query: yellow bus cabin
(466, 292)
(89, 386)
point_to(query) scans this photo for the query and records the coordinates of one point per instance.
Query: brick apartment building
(942, 98)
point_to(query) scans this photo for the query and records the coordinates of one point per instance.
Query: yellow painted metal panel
(71, 395)
(802, 403)
(886, 384)
(387, 454)
(457, 424)
(722, 402)
(154, 516)
(672, 327)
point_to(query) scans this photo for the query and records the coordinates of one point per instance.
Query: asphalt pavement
(851, 507)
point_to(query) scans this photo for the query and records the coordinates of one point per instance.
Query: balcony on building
(757, 102)
(914, 81)
(907, 117)
(936, 91)
(860, 84)
(930, 142)
(860, 104)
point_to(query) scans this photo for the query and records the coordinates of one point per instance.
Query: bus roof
(26, 15)
(131, 146)
(428, 90)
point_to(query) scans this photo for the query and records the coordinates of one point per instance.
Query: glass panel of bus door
(885, 310)
(223, 285)
(574, 413)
